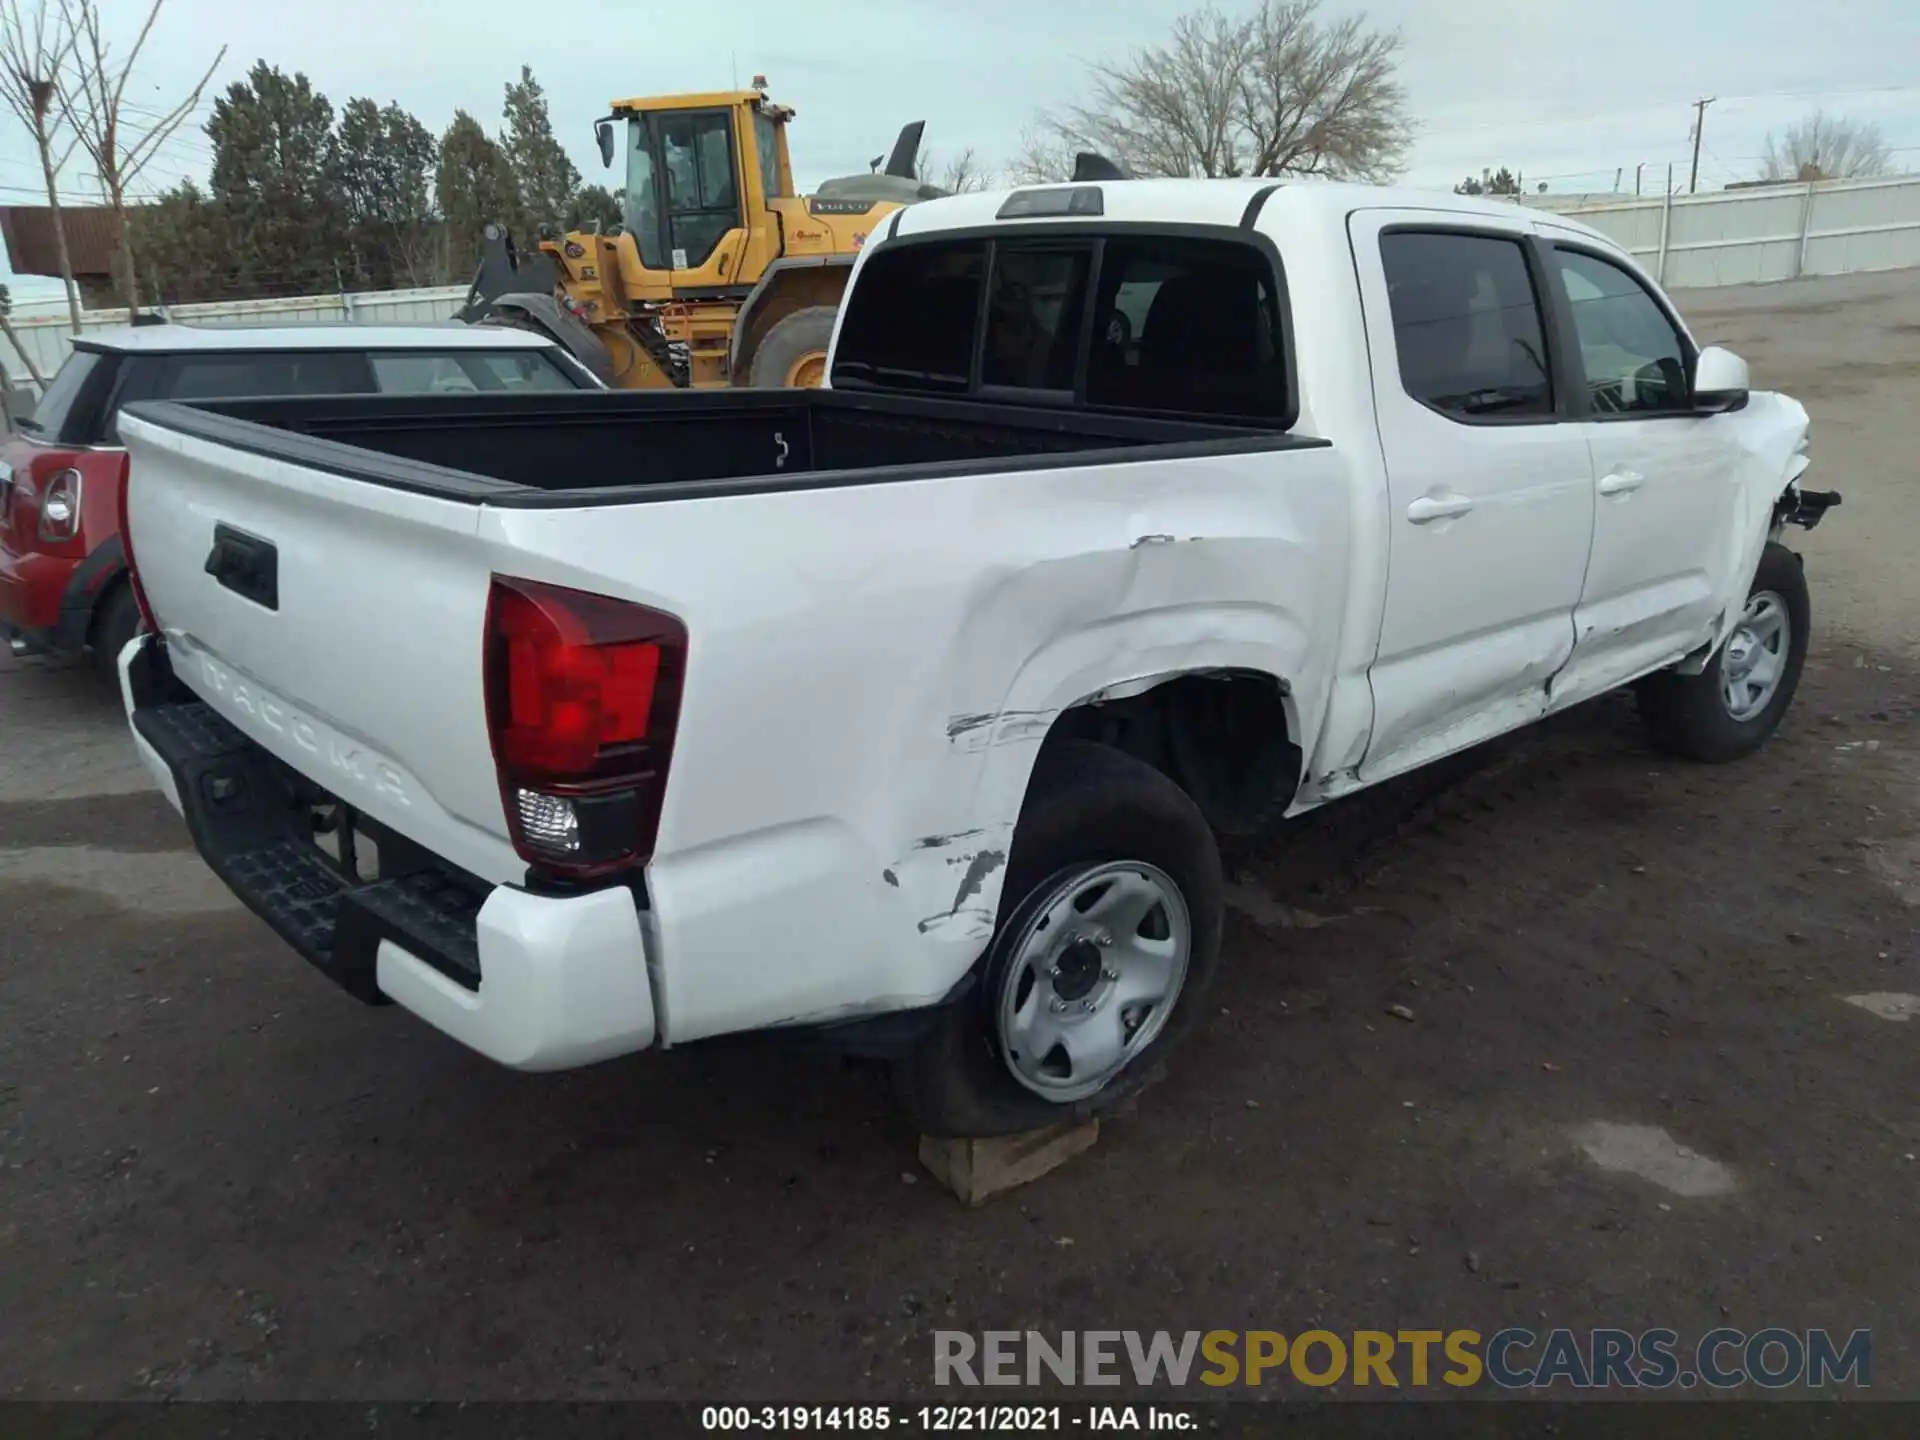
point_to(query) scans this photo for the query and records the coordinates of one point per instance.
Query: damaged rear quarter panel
(1254, 578)
(861, 715)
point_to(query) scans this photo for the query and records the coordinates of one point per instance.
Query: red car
(63, 587)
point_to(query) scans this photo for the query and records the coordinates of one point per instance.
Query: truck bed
(573, 449)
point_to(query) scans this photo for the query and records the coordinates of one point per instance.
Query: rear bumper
(537, 982)
(31, 590)
(47, 601)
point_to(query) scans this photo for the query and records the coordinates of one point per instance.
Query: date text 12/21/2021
(947, 1419)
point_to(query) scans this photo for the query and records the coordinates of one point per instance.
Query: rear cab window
(1177, 325)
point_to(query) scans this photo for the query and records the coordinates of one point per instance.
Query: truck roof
(174, 339)
(1223, 202)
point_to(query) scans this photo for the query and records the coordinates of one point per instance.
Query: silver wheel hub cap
(1755, 656)
(1095, 974)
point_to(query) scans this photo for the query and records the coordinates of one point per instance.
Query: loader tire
(793, 354)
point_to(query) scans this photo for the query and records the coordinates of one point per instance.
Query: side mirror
(603, 133)
(1720, 381)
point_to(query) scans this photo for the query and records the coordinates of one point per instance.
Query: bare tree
(1826, 147)
(1275, 91)
(34, 47)
(1043, 157)
(957, 176)
(93, 96)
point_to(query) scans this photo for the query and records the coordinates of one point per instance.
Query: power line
(67, 197)
(1573, 120)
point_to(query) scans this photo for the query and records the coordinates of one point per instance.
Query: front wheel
(1106, 945)
(793, 354)
(1729, 709)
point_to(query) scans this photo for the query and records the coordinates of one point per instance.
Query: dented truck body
(863, 611)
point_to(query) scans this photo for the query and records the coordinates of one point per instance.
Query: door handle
(1429, 508)
(1621, 482)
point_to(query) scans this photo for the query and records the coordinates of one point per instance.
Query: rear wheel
(115, 623)
(1729, 709)
(793, 354)
(1106, 946)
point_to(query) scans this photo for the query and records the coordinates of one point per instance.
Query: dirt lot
(222, 1178)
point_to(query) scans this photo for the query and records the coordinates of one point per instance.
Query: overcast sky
(1565, 92)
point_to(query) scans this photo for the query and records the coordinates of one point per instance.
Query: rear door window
(1467, 325)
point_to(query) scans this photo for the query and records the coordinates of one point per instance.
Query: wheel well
(792, 289)
(102, 598)
(1226, 737)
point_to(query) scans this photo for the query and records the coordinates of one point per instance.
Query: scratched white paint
(1887, 1004)
(165, 882)
(1650, 1153)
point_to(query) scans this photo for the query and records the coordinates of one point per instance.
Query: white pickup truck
(910, 710)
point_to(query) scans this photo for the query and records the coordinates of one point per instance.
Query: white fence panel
(1745, 237)
(47, 337)
(407, 307)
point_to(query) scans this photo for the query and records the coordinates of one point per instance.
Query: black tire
(1688, 716)
(115, 622)
(783, 346)
(1086, 805)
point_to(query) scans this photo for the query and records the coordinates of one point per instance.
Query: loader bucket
(505, 271)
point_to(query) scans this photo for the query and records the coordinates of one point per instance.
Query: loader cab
(699, 171)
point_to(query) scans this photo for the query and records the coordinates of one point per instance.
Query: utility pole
(1699, 127)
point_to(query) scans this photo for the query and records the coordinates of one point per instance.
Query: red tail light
(583, 696)
(126, 544)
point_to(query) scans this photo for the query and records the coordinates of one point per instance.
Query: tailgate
(336, 622)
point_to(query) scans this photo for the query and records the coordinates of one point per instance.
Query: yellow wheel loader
(718, 274)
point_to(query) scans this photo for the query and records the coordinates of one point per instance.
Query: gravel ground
(1633, 1091)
